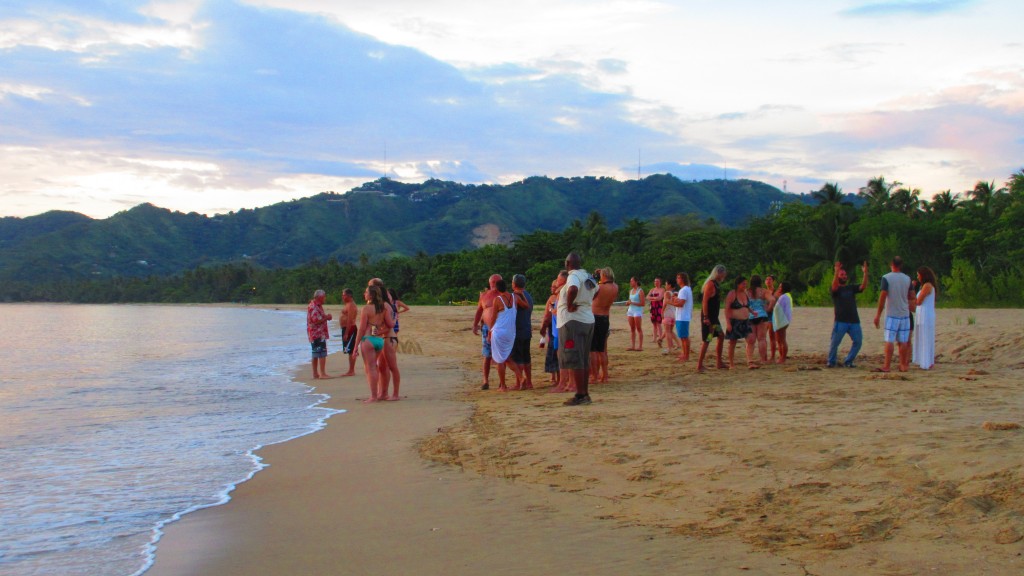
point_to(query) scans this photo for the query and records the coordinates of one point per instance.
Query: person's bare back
(485, 307)
(607, 292)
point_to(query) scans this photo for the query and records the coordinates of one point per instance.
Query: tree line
(971, 239)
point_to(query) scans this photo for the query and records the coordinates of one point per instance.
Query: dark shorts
(319, 348)
(520, 351)
(574, 339)
(551, 360)
(602, 326)
(740, 330)
(348, 340)
(759, 320)
(711, 330)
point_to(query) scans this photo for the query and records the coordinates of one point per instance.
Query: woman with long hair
(635, 314)
(710, 326)
(782, 316)
(760, 300)
(549, 334)
(375, 325)
(387, 361)
(769, 286)
(668, 322)
(924, 330)
(656, 298)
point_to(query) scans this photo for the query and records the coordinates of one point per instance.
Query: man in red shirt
(316, 330)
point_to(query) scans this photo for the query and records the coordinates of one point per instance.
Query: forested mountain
(380, 219)
(971, 240)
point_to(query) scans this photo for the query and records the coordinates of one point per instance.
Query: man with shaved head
(485, 315)
(576, 327)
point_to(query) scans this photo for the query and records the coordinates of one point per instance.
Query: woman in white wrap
(503, 331)
(924, 320)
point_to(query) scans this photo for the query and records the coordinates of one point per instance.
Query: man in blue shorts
(484, 318)
(318, 333)
(898, 300)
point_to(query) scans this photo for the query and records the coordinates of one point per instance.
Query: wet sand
(790, 469)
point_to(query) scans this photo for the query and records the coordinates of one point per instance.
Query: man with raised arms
(607, 292)
(485, 317)
(846, 319)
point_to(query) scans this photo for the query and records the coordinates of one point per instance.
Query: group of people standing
(909, 307)
(576, 324)
(371, 332)
(570, 330)
(756, 311)
(671, 311)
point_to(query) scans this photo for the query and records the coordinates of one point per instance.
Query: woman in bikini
(760, 304)
(737, 322)
(635, 314)
(387, 360)
(375, 324)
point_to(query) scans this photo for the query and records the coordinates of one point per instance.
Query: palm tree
(878, 194)
(906, 201)
(830, 193)
(943, 203)
(1015, 185)
(984, 193)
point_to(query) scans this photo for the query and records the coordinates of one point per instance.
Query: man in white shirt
(576, 327)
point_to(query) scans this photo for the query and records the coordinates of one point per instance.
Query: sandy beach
(794, 469)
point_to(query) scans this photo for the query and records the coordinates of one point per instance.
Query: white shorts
(634, 313)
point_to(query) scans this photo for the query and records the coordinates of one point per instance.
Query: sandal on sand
(881, 370)
(486, 386)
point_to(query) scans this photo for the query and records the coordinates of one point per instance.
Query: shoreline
(785, 470)
(350, 498)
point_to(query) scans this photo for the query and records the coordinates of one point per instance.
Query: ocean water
(115, 420)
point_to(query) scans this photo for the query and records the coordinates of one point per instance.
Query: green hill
(378, 219)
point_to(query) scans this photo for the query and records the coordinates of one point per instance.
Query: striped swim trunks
(897, 330)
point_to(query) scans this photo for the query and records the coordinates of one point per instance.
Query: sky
(213, 106)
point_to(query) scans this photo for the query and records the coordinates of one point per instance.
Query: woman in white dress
(503, 331)
(924, 320)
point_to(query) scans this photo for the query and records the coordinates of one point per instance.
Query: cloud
(914, 7)
(263, 93)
